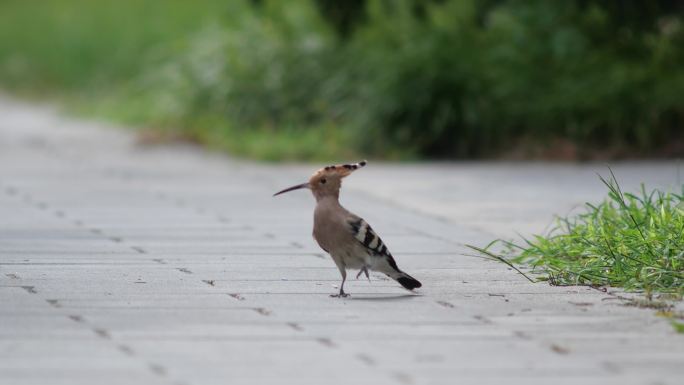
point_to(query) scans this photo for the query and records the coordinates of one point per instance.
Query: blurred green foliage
(394, 79)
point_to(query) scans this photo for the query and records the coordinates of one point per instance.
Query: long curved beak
(297, 187)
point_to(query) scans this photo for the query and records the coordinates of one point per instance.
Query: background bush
(322, 79)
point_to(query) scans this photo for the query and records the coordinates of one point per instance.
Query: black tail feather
(408, 282)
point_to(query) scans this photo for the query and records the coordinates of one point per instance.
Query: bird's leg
(365, 271)
(342, 294)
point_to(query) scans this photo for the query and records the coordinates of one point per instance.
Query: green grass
(630, 240)
(267, 143)
(678, 326)
(76, 45)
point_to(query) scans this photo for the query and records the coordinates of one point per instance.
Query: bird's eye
(323, 180)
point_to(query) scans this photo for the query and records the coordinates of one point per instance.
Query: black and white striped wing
(370, 240)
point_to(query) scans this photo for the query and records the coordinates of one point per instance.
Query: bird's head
(326, 181)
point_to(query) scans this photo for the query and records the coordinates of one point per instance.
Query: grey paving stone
(126, 264)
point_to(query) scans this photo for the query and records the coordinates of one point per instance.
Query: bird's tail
(407, 281)
(388, 266)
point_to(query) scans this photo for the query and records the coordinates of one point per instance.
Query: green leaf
(680, 207)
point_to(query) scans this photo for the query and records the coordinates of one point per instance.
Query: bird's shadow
(382, 297)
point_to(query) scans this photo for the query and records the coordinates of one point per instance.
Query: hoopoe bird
(349, 240)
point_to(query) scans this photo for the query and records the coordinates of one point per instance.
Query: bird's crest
(326, 181)
(341, 170)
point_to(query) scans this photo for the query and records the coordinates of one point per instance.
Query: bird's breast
(330, 229)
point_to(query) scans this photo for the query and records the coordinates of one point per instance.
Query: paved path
(123, 264)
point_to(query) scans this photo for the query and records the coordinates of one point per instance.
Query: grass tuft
(678, 326)
(630, 240)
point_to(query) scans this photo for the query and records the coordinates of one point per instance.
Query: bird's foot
(339, 295)
(363, 270)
